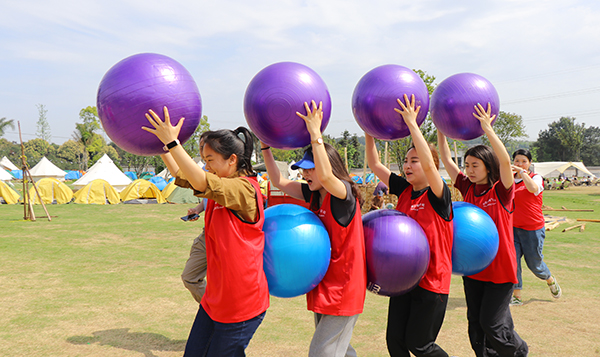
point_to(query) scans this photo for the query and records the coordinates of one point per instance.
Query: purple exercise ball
(453, 103)
(397, 252)
(139, 83)
(375, 97)
(274, 96)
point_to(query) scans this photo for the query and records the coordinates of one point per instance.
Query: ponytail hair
(227, 142)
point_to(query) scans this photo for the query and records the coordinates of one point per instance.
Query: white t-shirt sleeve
(539, 181)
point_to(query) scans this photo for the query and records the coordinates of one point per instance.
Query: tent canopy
(46, 169)
(7, 194)
(141, 191)
(104, 169)
(5, 176)
(545, 168)
(7, 164)
(98, 192)
(52, 191)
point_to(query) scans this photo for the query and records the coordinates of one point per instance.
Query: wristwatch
(171, 145)
(318, 141)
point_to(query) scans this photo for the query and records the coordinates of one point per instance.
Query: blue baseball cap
(306, 162)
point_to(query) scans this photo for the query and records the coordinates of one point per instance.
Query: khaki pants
(195, 268)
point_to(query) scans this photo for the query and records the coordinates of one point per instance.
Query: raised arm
(292, 188)
(379, 169)
(409, 114)
(485, 117)
(168, 133)
(449, 164)
(313, 119)
(172, 166)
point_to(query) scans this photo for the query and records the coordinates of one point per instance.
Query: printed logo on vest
(417, 206)
(489, 202)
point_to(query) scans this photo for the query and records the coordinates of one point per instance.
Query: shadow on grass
(142, 342)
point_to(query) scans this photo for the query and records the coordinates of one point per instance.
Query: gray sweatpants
(332, 336)
(195, 268)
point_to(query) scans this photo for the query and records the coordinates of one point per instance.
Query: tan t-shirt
(233, 192)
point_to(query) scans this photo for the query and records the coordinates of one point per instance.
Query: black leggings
(491, 328)
(414, 321)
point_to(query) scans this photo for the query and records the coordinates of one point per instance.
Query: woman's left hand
(313, 118)
(163, 129)
(409, 113)
(485, 116)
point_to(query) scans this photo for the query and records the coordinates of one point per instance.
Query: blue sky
(542, 56)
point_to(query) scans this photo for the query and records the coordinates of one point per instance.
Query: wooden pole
(588, 220)
(27, 175)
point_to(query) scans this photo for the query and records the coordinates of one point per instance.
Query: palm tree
(6, 123)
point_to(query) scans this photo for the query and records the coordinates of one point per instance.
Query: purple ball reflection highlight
(274, 96)
(375, 97)
(453, 104)
(397, 252)
(141, 82)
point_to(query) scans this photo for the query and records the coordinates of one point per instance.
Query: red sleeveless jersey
(343, 288)
(237, 290)
(503, 268)
(528, 208)
(439, 235)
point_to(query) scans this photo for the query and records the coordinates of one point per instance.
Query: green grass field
(104, 281)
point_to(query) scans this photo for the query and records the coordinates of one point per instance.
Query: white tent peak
(45, 168)
(7, 164)
(104, 169)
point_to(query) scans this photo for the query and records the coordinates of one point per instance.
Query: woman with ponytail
(237, 296)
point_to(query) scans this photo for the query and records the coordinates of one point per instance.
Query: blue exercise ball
(475, 239)
(297, 250)
(397, 252)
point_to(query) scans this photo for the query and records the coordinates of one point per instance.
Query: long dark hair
(489, 158)
(339, 170)
(227, 142)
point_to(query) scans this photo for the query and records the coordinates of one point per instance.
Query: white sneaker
(555, 289)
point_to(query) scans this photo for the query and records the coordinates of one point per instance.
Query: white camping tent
(4, 175)
(46, 169)
(546, 169)
(7, 165)
(104, 169)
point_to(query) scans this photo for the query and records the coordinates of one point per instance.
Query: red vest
(528, 208)
(439, 235)
(237, 290)
(503, 268)
(343, 288)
